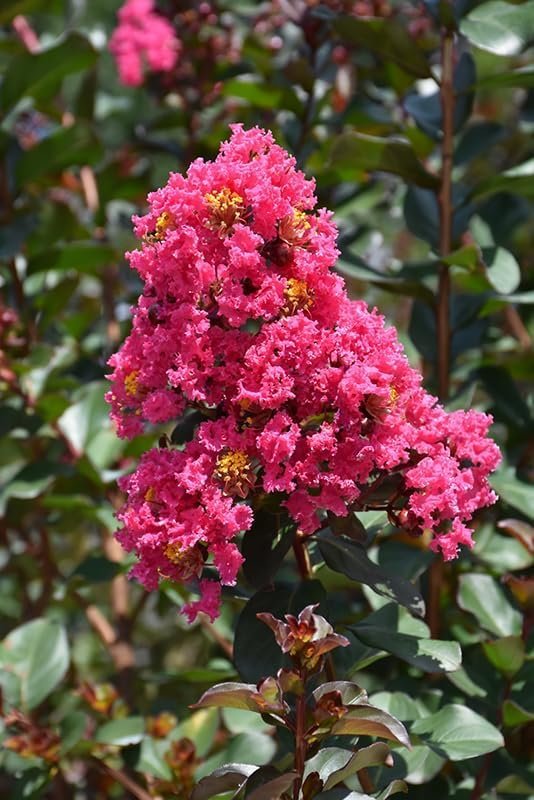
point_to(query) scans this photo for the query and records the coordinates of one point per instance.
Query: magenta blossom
(143, 39)
(305, 393)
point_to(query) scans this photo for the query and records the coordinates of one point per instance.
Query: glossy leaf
(333, 765)
(238, 695)
(500, 27)
(121, 732)
(66, 147)
(264, 548)
(273, 789)
(379, 630)
(356, 151)
(265, 658)
(38, 75)
(481, 595)
(229, 778)
(348, 557)
(514, 715)
(34, 659)
(507, 654)
(366, 720)
(457, 732)
(385, 37)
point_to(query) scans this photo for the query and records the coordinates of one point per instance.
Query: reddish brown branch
(125, 781)
(445, 212)
(443, 330)
(302, 556)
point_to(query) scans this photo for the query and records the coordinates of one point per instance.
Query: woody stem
(302, 557)
(300, 743)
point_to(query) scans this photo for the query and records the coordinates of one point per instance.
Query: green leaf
(457, 732)
(10, 8)
(394, 787)
(96, 569)
(66, 147)
(187, 425)
(239, 721)
(507, 398)
(482, 596)
(246, 696)
(152, 758)
(121, 732)
(353, 267)
(502, 269)
(262, 556)
(265, 658)
(353, 152)
(229, 778)
(468, 256)
(516, 493)
(387, 38)
(201, 727)
(72, 730)
(514, 714)
(262, 95)
(520, 78)
(39, 75)
(366, 720)
(348, 557)
(379, 630)
(350, 693)
(29, 483)
(421, 764)
(518, 180)
(272, 789)
(500, 27)
(333, 764)
(34, 658)
(507, 654)
(84, 257)
(86, 418)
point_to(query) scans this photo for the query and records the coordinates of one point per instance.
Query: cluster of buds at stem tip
(306, 638)
(30, 740)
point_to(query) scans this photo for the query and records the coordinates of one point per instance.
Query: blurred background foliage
(97, 675)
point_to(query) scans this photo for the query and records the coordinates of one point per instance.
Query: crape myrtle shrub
(284, 568)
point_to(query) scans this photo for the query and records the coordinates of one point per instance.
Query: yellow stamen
(150, 494)
(294, 229)
(131, 383)
(235, 471)
(298, 297)
(163, 223)
(226, 209)
(189, 560)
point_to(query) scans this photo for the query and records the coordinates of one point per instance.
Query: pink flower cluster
(142, 39)
(304, 392)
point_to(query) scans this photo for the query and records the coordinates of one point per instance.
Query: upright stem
(302, 557)
(445, 211)
(444, 286)
(300, 743)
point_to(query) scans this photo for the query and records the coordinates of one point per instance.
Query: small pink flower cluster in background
(303, 391)
(143, 39)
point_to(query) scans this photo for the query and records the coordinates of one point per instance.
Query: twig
(223, 643)
(517, 327)
(121, 656)
(445, 211)
(444, 285)
(128, 783)
(302, 556)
